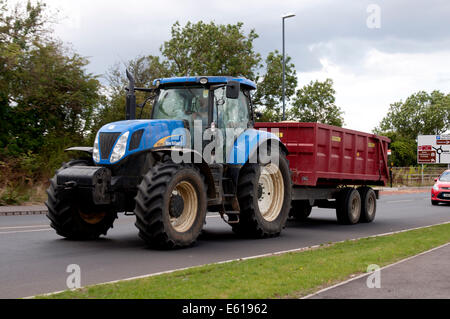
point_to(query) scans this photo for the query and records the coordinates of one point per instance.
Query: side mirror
(258, 115)
(435, 179)
(233, 89)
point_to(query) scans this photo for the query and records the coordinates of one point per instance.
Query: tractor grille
(135, 140)
(107, 141)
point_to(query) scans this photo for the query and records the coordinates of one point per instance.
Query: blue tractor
(156, 169)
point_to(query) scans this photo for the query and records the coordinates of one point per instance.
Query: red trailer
(333, 167)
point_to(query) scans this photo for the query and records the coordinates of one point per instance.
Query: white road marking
(400, 201)
(45, 227)
(25, 231)
(18, 227)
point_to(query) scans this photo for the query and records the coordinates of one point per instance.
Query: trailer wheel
(264, 195)
(301, 209)
(348, 209)
(73, 217)
(171, 206)
(368, 204)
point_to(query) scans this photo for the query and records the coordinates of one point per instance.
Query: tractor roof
(211, 79)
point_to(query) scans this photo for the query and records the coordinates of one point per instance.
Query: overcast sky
(373, 62)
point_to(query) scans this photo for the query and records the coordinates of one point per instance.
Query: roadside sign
(433, 149)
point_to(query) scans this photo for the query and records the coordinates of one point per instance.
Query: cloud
(365, 93)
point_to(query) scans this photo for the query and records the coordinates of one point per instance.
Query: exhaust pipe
(131, 99)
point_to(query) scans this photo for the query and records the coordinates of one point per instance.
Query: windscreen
(182, 103)
(445, 177)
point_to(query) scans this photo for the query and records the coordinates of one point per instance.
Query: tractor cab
(213, 102)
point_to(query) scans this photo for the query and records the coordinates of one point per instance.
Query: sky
(377, 52)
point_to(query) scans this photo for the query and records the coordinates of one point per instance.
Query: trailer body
(322, 155)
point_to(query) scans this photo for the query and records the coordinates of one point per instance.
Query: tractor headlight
(436, 187)
(119, 150)
(95, 152)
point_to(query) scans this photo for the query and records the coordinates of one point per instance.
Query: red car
(440, 193)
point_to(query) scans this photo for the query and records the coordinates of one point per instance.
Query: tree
(210, 49)
(404, 150)
(144, 70)
(269, 94)
(195, 49)
(46, 97)
(420, 114)
(315, 103)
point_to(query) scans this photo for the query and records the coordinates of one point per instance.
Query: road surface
(34, 259)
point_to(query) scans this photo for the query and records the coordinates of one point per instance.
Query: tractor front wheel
(171, 206)
(74, 217)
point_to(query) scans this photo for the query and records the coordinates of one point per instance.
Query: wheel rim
(355, 208)
(186, 219)
(370, 206)
(92, 218)
(270, 192)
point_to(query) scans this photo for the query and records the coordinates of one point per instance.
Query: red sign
(426, 156)
(443, 142)
(425, 148)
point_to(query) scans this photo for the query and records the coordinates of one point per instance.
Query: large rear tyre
(348, 209)
(301, 209)
(264, 195)
(74, 217)
(368, 204)
(171, 206)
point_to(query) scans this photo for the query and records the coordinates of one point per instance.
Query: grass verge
(290, 275)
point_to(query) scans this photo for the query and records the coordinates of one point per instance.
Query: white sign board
(433, 149)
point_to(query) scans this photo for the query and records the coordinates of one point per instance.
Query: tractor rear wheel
(301, 209)
(264, 195)
(74, 217)
(171, 206)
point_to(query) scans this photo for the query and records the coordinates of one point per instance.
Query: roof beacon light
(203, 81)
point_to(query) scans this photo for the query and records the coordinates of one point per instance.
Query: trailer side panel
(325, 155)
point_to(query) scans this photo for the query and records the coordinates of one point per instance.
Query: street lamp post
(288, 15)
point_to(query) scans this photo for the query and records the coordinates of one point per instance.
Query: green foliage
(422, 113)
(268, 97)
(144, 69)
(47, 99)
(403, 150)
(210, 49)
(315, 103)
(195, 49)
